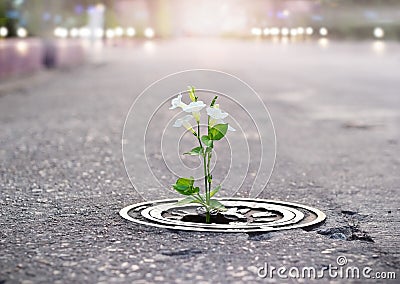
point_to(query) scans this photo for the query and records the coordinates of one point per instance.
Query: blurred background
(239, 18)
(54, 33)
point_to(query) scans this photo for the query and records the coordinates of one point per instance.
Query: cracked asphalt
(62, 180)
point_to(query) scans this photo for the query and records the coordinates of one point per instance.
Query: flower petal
(194, 106)
(177, 102)
(216, 113)
(182, 121)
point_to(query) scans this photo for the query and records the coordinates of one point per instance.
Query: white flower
(195, 108)
(216, 113)
(217, 116)
(184, 121)
(177, 102)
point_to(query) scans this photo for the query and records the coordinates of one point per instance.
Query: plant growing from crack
(216, 130)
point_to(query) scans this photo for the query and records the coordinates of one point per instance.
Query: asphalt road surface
(335, 108)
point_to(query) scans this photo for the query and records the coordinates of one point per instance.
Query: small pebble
(135, 267)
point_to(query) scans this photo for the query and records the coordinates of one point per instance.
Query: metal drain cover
(243, 215)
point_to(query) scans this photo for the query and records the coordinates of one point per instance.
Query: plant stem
(208, 164)
(208, 217)
(205, 179)
(208, 171)
(207, 190)
(204, 161)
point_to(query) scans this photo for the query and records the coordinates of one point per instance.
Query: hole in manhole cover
(242, 215)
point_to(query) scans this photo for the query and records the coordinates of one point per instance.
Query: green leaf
(196, 190)
(218, 131)
(185, 181)
(215, 204)
(192, 94)
(186, 190)
(206, 140)
(187, 200)
(185, 186)
(181, 188)
(195, 151)
(215, 190)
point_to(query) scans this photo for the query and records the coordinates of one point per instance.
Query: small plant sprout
(216, 130)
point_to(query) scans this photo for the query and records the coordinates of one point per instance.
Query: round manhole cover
(242, 215)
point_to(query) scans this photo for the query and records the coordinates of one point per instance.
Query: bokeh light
(119, 31)
(275, 31)
(3, 31)
(285, 31)
(379, 32)
(110, 33)
(84, 32)
(130, 32)
(149, 32)
(74, 32)
(60, 32)
(256, 31)
(22, 32)
(323, 31)
(309, 31)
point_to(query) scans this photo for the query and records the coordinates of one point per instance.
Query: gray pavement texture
(62, 180)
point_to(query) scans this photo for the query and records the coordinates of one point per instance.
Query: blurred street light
(256, 31)
(284, 31)
(110, 33)
(309, 31)
(266, 31)
(293, 32)
(323, 31)
(300, 30)
(60, 32)
(275, 31)
(3, 31)
(74, 32)
(131, 32)
(119, 31)
(379, 32)
(22, 32)
(84, 32)
(99, 33)
(149, 33)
